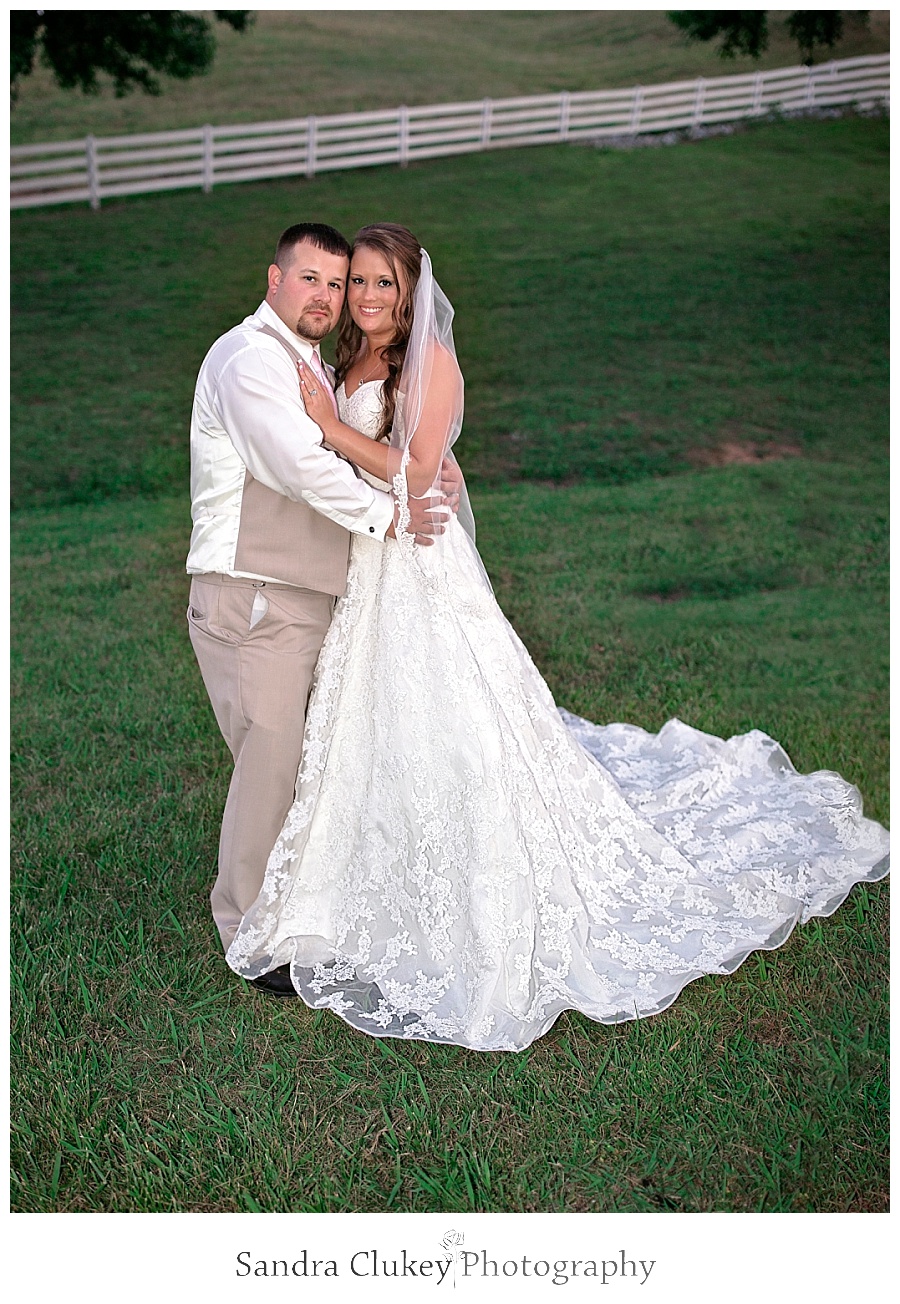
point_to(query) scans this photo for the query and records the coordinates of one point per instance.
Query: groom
(273, 511)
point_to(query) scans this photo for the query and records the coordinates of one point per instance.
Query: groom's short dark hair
(317, 233)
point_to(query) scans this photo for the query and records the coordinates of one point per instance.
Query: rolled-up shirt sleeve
(260, 406)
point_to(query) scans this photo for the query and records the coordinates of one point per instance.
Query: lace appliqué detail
(463, 862)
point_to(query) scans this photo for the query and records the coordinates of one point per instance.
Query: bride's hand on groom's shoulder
(318, 402)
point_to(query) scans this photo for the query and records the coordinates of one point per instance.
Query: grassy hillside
(618, 313)
(293, 63)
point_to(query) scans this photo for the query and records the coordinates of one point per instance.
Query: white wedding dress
(463, 862)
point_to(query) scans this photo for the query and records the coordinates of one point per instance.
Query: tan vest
(288, 540)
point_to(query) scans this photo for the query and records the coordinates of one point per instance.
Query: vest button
(371, 529)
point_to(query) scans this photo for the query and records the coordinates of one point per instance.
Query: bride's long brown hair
(402, 252)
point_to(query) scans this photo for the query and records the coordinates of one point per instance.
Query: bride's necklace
(371, 370)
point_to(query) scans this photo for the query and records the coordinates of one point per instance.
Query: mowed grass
(146, 1076)
(618, 313)
(292, 63)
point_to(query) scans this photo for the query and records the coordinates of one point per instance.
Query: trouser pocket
(219, 612)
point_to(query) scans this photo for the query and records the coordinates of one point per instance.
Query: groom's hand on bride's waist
(451, 479)
(428, 517)
(430, 514)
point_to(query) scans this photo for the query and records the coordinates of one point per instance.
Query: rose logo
(451, 1242)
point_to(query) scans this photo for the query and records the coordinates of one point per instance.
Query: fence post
(311, 145)
(698, 102)
(810, 88)
(564, 102)
(207, 159)
(757, 93)
(487, 112)
(403, 131)
(93, 174)
(636, 104)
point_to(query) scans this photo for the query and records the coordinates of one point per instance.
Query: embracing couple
(415, 837)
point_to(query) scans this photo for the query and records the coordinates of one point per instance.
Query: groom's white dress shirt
(248, 416)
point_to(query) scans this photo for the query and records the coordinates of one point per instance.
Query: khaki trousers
(257, 645)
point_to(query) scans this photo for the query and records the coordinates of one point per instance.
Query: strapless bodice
(362, 411)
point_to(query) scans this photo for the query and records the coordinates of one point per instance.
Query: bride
(463, 861)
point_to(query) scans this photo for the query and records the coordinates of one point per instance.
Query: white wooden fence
(103, 167)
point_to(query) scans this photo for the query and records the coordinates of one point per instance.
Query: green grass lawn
(618, 313)
(624, 315)
(292, 63)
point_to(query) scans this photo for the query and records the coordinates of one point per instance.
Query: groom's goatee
(313, 327)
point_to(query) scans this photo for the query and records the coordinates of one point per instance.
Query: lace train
(468, 883)
(463, 862)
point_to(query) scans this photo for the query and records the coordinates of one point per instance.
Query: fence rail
(98, 168)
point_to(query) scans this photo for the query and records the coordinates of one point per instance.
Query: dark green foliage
(746, 31)
(126, 45)
(238, 19)
(25, 27)
(812, 27)
(743, 31)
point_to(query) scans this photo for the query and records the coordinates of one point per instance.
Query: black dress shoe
(277, 982)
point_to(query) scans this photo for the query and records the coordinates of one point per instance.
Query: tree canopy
(746, 31)
(131, 47)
